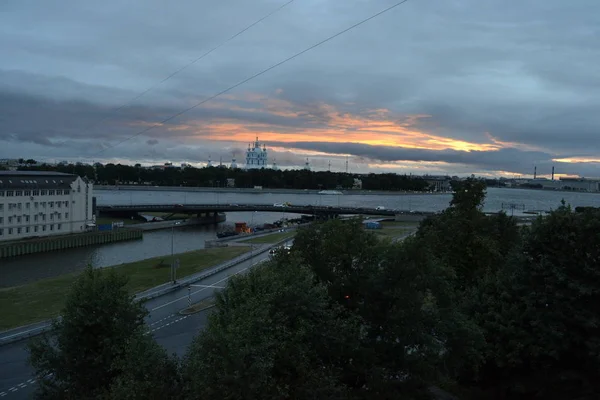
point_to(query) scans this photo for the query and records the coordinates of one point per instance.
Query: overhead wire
(256, 75)
(140, 95)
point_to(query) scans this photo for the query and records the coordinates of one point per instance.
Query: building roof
(35, 180)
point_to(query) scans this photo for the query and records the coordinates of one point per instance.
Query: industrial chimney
(553, 172)
(534, 172)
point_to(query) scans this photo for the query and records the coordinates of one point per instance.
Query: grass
(22, 305)
(393, 229)
(272, 238)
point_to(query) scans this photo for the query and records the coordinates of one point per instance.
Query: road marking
(167, 324)
(198, 291)
(22, 385)
(209, 286)
(31, 380)
(162, 319)
(2, 394)
(13, 389)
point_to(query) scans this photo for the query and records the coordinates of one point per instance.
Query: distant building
(230, 182)
(256, 156)
(357, 184)
(307, 165)
(233, 164)
(43, 203)
(438, 183)
(9, 163)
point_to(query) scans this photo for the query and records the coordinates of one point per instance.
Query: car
(178, 205)
(380, 208)
(278, 205)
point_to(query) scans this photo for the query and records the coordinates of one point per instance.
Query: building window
(58, 192)
(43, 217)
(18, 231)
(1, 231)
(51, 217)
(58, 227)
(10, 220)
(66, 192)
(66, 216)
(27, 218)
(28, 193)
(58, 204)
(18, 219)
(51, 204)
(26, 229)
(1, 193)
(35, 228)
(50, 192)
(1, 220)
(1, 207)
(36, 192)
(35, 205)
(43, 204)
(35, 217)
(9, 193)
(44, 192)
(51, 227)
(18, 193)
(10, 230)
(27, 206)
(19, 206)
(44, 228)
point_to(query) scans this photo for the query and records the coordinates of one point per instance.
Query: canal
(29, 268)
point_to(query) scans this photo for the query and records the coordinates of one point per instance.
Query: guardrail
(149, 294)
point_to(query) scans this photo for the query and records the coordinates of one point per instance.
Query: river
(25, 269)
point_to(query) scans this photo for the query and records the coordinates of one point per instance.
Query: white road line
(162, 319)
(198, 291)
(31, 380)
(209, 286)
(13, 389)
(2, 394)
(22, 385)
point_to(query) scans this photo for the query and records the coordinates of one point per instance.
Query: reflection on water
(32, 267)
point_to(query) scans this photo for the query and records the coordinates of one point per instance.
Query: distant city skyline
(455, 87)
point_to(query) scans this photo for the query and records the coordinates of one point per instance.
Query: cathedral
(256, 156)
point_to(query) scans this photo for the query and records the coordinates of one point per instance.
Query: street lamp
(173, 271)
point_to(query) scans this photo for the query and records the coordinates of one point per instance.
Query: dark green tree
(98, 339)
(275, 334)
(541, 313)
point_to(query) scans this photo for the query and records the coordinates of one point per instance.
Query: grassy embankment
(394, 229)
(271, 238)
(44, 299)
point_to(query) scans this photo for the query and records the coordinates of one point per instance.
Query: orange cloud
(325, 123)
(577, 160)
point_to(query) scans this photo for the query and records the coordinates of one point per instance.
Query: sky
(453, 87)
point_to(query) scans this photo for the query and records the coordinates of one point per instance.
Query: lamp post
(173, 271)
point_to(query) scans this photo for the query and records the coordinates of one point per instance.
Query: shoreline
(142, 188)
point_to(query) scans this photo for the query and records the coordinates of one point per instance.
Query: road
(170, 329)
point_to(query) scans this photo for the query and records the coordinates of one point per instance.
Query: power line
(256, 75)
(117, 109)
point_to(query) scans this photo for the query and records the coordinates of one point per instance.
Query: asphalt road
(170, 329)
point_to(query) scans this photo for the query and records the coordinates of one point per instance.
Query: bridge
(208, 209)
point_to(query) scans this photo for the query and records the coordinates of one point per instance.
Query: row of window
(43, 192)
(42, 217)
(36, 205)
(27, 229)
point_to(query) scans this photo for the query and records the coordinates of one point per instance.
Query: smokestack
(553, 172)
(534, 172)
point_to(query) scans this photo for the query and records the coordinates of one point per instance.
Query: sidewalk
(27, 331)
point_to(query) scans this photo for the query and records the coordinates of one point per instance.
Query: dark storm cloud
(523, 73)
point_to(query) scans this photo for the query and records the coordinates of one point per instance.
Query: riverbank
(44, 299)
(61, 242)
(257, 191)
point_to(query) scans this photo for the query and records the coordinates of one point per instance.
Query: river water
(24, 269)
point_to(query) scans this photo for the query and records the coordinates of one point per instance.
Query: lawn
(272, 238)
(44, 299)
(393, 229)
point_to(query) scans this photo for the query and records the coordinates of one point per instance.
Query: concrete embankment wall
(22, 247)
(153, 226)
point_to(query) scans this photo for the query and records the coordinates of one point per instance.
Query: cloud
(445, 86)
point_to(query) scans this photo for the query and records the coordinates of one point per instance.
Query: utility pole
(346, 164)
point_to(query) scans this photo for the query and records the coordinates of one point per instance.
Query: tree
(541, 313)
(93, 345)
(468, 194)
(275, 334)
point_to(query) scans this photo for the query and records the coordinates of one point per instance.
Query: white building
(256, 156)
(43, 203)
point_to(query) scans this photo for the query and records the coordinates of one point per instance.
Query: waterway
(25, 269)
